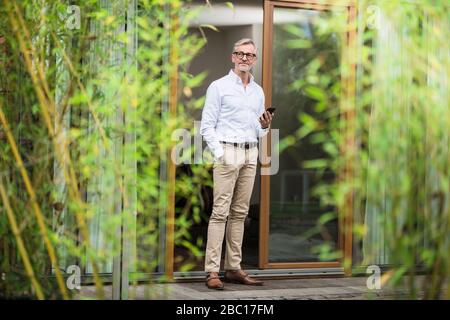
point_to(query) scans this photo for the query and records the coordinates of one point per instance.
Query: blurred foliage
(386, 135)
(86, 96)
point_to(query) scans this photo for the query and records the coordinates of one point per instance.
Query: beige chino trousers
(234, 176)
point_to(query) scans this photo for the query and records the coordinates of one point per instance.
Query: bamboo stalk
(36, 209)
(20, 244)
(83, 90)
(173, 83)
(62, 158)
(447, 293)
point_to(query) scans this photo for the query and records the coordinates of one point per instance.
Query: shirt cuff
(263, 132)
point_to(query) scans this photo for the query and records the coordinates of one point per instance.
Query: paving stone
(282, 289)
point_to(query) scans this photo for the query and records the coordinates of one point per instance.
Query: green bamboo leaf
(315, 93)
(78, 98)
(298, 44)
(209, 26)
(307, 120)
(315, 164)
(294, 30)
(230, 5)
(197, 80)
(286, 142)
(326, 217)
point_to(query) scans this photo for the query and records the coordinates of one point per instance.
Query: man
(231, 128)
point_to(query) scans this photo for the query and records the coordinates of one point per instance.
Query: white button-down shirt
(231, 112)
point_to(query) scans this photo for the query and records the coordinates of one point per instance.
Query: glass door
(289, 209)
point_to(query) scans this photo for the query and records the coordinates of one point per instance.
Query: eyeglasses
(249, 56)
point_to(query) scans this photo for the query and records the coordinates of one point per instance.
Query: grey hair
(245, 41)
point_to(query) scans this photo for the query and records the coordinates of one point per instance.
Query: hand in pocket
(218, 160)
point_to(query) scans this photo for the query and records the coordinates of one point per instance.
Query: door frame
(345, 223)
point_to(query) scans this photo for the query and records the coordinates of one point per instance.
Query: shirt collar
(237, 79)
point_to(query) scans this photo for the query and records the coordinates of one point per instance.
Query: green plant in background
(88, 106)
(390, 143)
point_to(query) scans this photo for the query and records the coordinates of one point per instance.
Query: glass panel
(294, 209)
(244, 20)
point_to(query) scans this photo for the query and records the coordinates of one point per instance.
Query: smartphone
(271, 110)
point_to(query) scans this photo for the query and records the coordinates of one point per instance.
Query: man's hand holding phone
(266, 117)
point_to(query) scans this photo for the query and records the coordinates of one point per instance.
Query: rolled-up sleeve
(210, 115)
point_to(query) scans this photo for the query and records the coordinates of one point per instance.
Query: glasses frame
(248, 55)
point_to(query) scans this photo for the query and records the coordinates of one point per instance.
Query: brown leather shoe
(213, 281)
(239, 276)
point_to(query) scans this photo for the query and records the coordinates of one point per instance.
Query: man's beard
(244, 67)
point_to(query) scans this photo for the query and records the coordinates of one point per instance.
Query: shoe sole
(245, 284)
(212, 288)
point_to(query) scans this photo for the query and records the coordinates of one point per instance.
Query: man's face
(245, 63)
